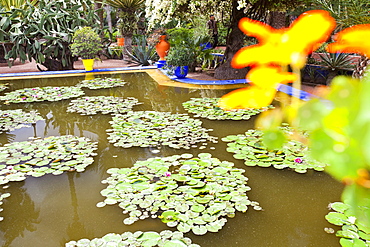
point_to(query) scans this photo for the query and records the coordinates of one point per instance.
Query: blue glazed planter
(181, 71)
(206, 46)
(161, 63)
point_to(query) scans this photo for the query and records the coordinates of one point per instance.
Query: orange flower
(264, 80)
(269, 76)
(353, 39)
(284, 46)
(250, 97)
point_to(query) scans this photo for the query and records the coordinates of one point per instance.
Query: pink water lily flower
(298, 160)
(167, 174)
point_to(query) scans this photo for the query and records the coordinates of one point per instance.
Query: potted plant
(86, 44)
(158, 39)
(178, 60)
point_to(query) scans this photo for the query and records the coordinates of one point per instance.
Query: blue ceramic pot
(161, 63)
(181, 71)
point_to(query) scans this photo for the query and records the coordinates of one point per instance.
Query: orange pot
(162, 47)
(120, 41)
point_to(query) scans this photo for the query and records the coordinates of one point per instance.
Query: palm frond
(126, 4)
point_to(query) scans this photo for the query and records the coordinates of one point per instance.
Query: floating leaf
(15, 119)
(99, 83)
(150, 129)
(208, 108)
(103, 104)
(188, 198)
(251, 148)
(37, 164)
(144, 239)
(38, 94)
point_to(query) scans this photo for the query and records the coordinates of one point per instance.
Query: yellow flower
(284, 46)
(353, 39)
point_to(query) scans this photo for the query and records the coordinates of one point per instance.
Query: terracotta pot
(120, 41)
(162, 47)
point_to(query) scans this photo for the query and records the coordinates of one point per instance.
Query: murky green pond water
(52, 210)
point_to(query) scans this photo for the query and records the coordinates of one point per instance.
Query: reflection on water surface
(52, 210)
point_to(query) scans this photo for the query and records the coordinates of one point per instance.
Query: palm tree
(18, 4)
(348, 13)
(128, 18)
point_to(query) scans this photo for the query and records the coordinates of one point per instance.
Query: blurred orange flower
(353, 39)
(284, 46)
(269, 76)
(250, 97)
(264, 80)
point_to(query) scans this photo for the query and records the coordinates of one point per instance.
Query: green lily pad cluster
(55, 155)
(15, 119)
(103, 104)
(38, 94)
(192, 194)
(2, 197)
(165, 238)
(249, 147)
(99, 83)
(208, 108)
(351, 234)
(151, 128)
(3, 86)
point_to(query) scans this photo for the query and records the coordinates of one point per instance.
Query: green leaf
(336, 218)
(273, 139)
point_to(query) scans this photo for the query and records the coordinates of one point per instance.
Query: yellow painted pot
(88, 64)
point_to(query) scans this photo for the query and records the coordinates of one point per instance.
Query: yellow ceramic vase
(88, 64)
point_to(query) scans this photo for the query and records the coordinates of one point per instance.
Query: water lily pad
(99, 83)
(2, 197)
(38, 94)
(351, 234)
(3, 86)
(102, 104)
(151, 129)
(185, 201)
(208, 108)
(15, 119)
(251, 149)
(144, 239)
(25, 164)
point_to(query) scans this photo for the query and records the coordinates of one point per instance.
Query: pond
(53, 210)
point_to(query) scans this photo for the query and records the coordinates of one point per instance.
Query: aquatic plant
(151, 128)
(37, 94)
(353, 233)
(208, 108)
(99, 83)
(52, 155)
(2, 197)
(3, 86)
(165, 238)
(192, 194)
(250, 147)
(103, 104)
(16, 119)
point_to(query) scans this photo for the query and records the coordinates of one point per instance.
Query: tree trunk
(362, 65)
(109, 17)
(127, 47)
(98, 6)
(235, 41)
(276, 19)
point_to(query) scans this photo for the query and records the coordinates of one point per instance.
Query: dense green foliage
(44, 32)
(86, 43)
